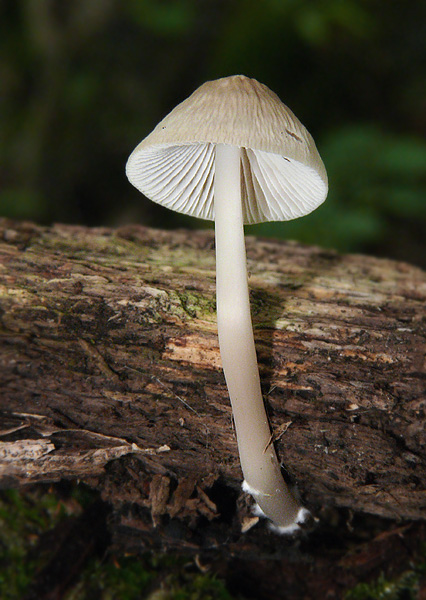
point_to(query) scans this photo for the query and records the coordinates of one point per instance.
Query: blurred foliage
(83, 82)
(377, 193)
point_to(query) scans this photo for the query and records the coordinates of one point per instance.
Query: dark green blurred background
(83, 81)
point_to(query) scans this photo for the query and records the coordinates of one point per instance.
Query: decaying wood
(110, 374)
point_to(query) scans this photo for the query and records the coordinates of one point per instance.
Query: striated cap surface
(282, 174)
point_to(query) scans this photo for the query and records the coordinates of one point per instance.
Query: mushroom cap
(282, 174)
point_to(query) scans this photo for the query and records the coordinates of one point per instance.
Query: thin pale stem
(259, 462)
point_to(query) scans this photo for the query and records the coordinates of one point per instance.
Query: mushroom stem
(259, 463)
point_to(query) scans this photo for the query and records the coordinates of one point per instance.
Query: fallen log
(110, 374)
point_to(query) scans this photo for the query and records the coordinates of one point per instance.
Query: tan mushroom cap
(282, 174)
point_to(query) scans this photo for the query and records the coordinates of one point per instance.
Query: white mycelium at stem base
(261, 470)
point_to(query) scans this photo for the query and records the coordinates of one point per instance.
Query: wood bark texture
(110, 374)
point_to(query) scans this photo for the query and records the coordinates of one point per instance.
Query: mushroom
(234, 153)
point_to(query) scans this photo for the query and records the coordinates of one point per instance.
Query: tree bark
(110, 374)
